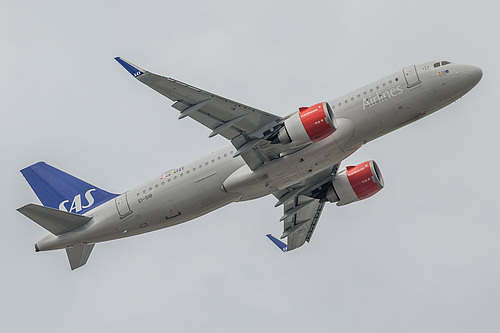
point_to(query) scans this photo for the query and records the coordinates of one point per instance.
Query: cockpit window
(445, 63)
(437, 64)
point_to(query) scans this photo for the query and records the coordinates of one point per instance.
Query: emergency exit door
(411, 76)
(122, 205)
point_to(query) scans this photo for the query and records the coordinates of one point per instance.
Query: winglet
(132, 69)
(278, 243)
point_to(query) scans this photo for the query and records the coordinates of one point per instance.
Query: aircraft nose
(468, 77)
(475, 73)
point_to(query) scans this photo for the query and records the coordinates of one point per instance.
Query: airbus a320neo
(295, 158)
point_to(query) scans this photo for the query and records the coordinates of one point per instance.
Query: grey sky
(420, 256)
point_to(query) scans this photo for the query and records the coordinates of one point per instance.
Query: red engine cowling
(355, 183)
(310, 124)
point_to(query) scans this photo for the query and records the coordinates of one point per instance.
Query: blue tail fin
(59, 190)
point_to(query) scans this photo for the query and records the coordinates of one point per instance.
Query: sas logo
(76, 205)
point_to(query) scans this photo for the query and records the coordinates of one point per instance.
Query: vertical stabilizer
(59, 190)
(78, 255)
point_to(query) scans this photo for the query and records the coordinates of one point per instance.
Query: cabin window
(437, 64)
(445, 63)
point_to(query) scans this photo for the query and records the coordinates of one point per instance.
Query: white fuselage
(219, 178)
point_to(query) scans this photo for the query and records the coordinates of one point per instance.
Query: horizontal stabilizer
(278, 243)
(78, 255)
(56, 221)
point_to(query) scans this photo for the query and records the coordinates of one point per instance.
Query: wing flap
(302, 207)
(302, 224)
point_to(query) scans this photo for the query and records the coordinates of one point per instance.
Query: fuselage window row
(182, 174)
(364, 93)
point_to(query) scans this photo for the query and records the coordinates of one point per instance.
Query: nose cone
(467, 77)
(473, 74)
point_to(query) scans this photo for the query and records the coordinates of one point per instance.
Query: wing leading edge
(247, 128)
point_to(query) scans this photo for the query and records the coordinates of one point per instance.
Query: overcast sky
(421, 256)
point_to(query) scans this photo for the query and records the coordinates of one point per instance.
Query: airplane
(295, 158)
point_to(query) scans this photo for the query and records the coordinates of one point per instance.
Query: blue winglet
(136, 72)
(278, 243)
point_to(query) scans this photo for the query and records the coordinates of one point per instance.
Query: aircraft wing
(302, 206)
(247, 128)
(299, 227)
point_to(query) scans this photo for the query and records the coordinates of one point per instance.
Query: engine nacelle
(355, 183)
(310, 124)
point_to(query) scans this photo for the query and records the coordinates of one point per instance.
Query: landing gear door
(122, 206)
(411, 76)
